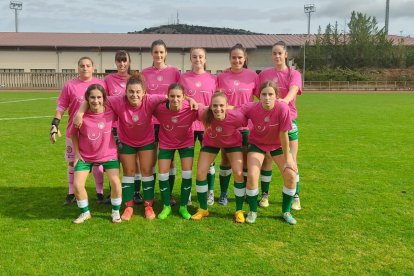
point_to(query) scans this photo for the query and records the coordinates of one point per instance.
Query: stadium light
(308, 9)
(16, 6)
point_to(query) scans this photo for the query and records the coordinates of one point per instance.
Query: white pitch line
(25, 118)
(28, 100)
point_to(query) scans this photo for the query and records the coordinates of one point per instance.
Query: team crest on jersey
(174, 120)
(266, 119)
(160, 78)
(197, 84)
(101, 125)
(219, 129)
(135, 118)
(116, 92)
(80, 99)
(236, 82)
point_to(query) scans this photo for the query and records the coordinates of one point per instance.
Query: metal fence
(55, 81)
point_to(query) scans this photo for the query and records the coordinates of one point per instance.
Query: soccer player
(289, 82)
(94, 144)
(239, 84)
(221, 132)
(200, 85)
(157, 78)
(176, 134)
(269, 135)
(71, 97)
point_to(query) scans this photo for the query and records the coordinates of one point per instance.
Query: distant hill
(190, 29)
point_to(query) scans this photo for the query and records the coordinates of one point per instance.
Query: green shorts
(87, 166)
(294, 132)
(254, 148)
(245, 137)
(169, 153)
(216, 150)
(126, 149)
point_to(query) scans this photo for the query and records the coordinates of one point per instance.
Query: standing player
(289, 82)
(71, 97)
(200, 85)
(175, 118)
(94, 144)
(221, 132)
(239, 84)
(269, 135)
(157, 78)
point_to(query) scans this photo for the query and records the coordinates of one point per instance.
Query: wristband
(55, 122)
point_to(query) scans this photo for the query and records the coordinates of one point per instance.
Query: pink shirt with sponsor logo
(225, 133)
(116, 86)
(135, 126)
(176, 130)
(200, 87)
(284, 80)
(96, 143)
(73, 95)
(267, 124)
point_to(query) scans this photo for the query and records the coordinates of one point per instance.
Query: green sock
(128, 188)
(202, 189)
(287, 202)
(148, 187)
(171, 179)
(185, 191)
(239, 192)
(137, 182)
(164, 188)
(224, 176)
(266, 177)
(252, 199)
(297, 184)
(84, 209)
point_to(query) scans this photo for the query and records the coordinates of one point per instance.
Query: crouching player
(94, 144)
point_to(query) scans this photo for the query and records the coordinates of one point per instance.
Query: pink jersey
(135, 125)
(96, 143)
(158, 80)
(224, 134)
(267, 124)
(200, 87)
(175, 126)
(73, 95)
(116, 86)
(284, 80)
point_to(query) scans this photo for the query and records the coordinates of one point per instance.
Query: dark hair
(272, 84)
(208, 116)
(123, 55)
(135, 78)
(240, 47)
(99, 87)
(205, 54)
(283, 44)
(173, 86)
(159, 42)
(82, 58)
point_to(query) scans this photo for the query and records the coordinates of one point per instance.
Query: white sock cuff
(127, 179)
(225, 172)
(254, 192)
(147, 178)
(82, 203)
(173, 171)
(186, 174)
(239, 192)
(212, 170)
(202, 189)
(116, 201)
(288, 191)
(266, 178)
(137, 176)
(163, 176)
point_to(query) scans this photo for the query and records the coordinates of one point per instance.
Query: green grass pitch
(356, 161)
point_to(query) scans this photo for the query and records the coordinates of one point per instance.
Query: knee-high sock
(239, 192)
(127, 189)
(70, 180)
(202, 189)
(288, 195)
(252, 199)
(98, 175)
(164, 188)
(266, 177)
(148, 184)
(224, 176)
(185, 187)
(171, 179)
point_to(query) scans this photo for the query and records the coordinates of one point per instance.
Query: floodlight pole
(16, 6)
(308, 9)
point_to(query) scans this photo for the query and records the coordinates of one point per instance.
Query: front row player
(94, 144)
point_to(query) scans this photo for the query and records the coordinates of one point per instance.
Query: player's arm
(77, 120)
(54, 130)
(293, 91)
(192, 102)
(284, 140)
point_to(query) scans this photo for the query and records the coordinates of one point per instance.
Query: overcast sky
(263, 16)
